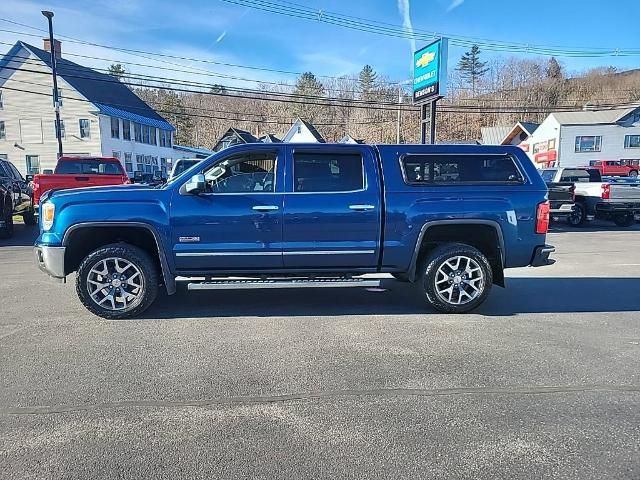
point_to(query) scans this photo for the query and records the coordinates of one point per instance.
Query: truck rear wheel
(456, 278)
(117, 281)
(6, 230)
(578, 215)
(624, 220)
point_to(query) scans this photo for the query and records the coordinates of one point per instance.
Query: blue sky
(218, 31)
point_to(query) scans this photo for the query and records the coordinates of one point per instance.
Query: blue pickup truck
(447, 218)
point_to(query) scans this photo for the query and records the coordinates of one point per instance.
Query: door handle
(265, 208)
(361, 208)
(82, 179)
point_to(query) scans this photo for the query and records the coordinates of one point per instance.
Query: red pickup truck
(76, 172)
(614, 168)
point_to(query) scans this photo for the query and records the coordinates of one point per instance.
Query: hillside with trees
(481, 93)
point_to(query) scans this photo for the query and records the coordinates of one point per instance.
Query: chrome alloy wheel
(115, 284)
(459, 280)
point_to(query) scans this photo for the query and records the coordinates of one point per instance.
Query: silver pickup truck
(618, 202)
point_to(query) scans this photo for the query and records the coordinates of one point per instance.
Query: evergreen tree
(471, 68)
(118, 71)
(217, 88)
(307, 108)
(367, 82)
(554, 70)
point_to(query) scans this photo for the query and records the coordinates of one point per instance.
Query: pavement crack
(266, 399)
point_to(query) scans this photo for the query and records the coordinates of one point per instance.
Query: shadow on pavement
(595, 226)
(23, 236)
(522, 295)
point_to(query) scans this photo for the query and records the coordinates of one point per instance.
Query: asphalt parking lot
(542, 381)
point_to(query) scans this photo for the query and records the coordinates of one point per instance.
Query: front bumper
(541, 256)
(50, 260)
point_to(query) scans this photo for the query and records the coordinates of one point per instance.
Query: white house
(570, 139)
(99, 115)
(303, 132)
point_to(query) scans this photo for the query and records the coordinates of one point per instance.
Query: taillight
(606, 191)
(542, 217)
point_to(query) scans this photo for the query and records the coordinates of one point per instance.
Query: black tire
(7, 230)
(624, 220)
(29, 218)
(134, 255)
(578, 216)
(633, 173)
(437, 259)
(401, 277)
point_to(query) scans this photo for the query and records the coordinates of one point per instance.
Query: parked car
(616, 201)
(15, 198)
(561, 200)
(152, 179)
(76, 172)
(449, 218)
(180, 165)
(614, 168)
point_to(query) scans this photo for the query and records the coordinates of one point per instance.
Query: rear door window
(327, 172)
(454, 169)
(84, 167)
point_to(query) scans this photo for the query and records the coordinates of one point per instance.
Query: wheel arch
(496, 256)
(82, 238)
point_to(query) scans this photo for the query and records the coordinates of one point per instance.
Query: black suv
(15, 199)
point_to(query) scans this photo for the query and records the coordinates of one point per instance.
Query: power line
(356, 23)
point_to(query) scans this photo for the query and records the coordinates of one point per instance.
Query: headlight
(47, 211)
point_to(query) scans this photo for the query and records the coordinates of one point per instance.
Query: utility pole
(56, 100)
(399, 114)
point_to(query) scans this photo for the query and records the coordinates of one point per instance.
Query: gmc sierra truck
(448, 218)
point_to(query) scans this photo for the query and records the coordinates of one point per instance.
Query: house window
(152, 134)
(128, 164)
(33, 164)
(116, 154)
(137, 131)
(145, 134)
(632, 141)
(139, 163)
(3, 132)
(588, 143)
(62, 133)
(163, 138)
(85, 131)
(147, 164)
(115, 127)
(126, 130)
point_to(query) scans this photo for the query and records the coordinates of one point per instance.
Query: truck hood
(101, 192)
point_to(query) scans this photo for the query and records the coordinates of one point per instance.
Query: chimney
(57, 47)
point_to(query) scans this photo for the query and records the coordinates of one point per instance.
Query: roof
(313, 130)
(521, 127)
(349, 139)
(193, 150)
(269, 138)
(247, 137)
(593, 117)
(109, 95)
(494, 135)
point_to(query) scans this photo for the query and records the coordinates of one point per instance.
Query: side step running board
(284, 283)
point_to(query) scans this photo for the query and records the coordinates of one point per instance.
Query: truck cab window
(452, 169)
(327, 172)
(252, 173)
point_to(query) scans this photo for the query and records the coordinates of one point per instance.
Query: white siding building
(99, 115)
(303, 132)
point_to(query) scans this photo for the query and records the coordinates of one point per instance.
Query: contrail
(405, 10)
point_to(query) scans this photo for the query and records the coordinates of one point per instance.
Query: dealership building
(570, 139)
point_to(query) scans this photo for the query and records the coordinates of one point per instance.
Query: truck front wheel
(624, 219)
(456, 278)
(117, 281)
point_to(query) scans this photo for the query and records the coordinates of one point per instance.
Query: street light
(56, 101)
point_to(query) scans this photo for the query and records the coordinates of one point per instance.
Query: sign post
(429, 83)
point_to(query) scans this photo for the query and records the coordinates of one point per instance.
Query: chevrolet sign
(430, 72)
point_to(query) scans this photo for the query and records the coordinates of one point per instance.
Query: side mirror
(29, 178)
(195, 185)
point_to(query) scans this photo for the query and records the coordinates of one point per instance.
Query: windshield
(181, 166)
(548, 175)
(88, 167)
